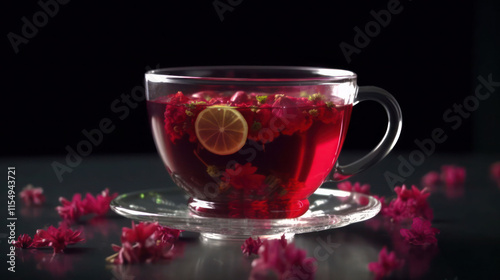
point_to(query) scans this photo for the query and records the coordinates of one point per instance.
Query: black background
(65, 78)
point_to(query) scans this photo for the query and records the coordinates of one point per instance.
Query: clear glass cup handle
(394, 124)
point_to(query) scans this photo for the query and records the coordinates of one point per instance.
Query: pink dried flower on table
(32, 196)
(127, 253)
(431, 179)
(406, 194)
(421, 233)
(284, 262)
(100, 204)
(409, 203)
(495, 171)
(356, 187)
(23, 241)
(138, 233)
(145, 242)
(57, 238)
(453, 176)
(74, 209)
(251, 246)
(71, 210)
(166, 234)
(397, 211)
(387, 262)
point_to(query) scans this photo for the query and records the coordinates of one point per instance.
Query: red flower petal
(431, 179)
(178, 98)
(453, 176)
(57, 238)
(285, 262)
(239, 98)
(421, 233)
(74, 209)
(251, 246)
(138, 233)
(287, 115)
(410, 203)
(166, 234)
(23, 241)
(71, 210)
(495, 172)
(387, 262)
(32, 196)
(243, 177)
(98, 205)
(145, 242)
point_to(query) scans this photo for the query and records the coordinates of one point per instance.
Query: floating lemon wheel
(221, 129)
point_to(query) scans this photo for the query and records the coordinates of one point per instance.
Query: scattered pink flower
(495, 171)
(74, 209)
(243, 177)
(145, 242)
(71, 210)
(127, 253)
(138, 233)
(284, 262)
(99, 204)
(421, 233)
(431, 179)
(453, 176)
(405, 194)
(23, 241)
(251, 246)
(57, 238)
(32, 196)
(356, 187)
(409, 203)
(166, 234)
(397, 211)
(387, 262)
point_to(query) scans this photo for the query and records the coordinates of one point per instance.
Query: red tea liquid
(292, 146)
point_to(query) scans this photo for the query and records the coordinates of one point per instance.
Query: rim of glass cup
(268, 75)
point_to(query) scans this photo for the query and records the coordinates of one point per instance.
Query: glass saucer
(328, 209)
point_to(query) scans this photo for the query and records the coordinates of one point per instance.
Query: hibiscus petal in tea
(249, 155)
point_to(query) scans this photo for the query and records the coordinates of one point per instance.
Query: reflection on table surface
(468, 245)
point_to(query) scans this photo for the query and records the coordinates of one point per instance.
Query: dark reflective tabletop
(468, 218)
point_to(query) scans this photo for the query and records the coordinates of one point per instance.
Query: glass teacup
(256, 142)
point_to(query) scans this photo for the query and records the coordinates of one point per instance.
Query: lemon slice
(221, 129)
